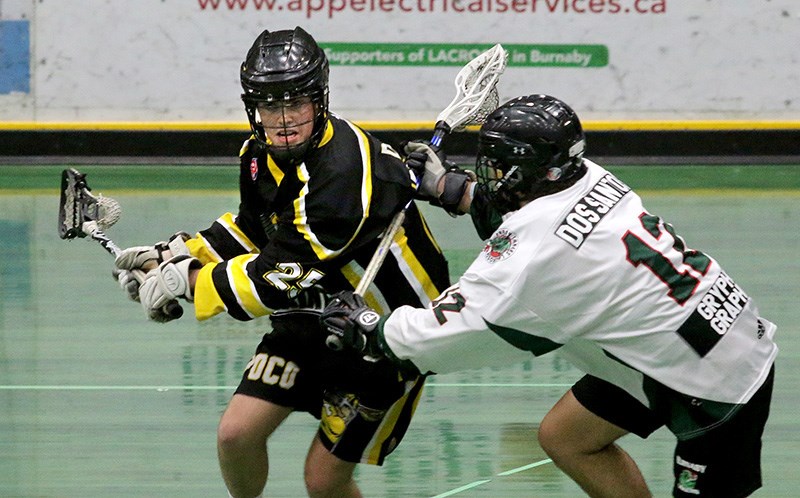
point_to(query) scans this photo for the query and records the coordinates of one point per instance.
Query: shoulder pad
(247, 145)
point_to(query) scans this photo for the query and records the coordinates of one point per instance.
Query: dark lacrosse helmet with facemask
(281, 68)
(528, 147)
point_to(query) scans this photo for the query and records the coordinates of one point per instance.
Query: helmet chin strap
(291, 156)
(510, 179)
(282, 152)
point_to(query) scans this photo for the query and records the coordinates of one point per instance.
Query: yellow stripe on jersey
(207, 302)
(413, 270)
(300, 218)
(245, 146)
(431, 238)
(327, 135)
(202, 250)
(274, 170)
(244, 287)
(366, 160)
(227, 221)
(373, 297)
(372, 453)
(353, 273)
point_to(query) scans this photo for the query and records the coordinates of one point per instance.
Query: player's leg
(726, 461)
(364, 415)
(581, 441)
(242, 438)
(327, 475)
(281, 378)
(582, 445)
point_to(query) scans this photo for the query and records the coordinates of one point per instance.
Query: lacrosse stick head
(476, 90)
(79, 209)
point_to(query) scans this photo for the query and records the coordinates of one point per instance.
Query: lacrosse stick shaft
(475, 88)
(81, 214)
(380, 253)
(92, 230)
(440, 131)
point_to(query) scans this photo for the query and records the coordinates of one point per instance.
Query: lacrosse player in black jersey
(316, 194)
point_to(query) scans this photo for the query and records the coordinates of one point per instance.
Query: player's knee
(231, 435)
(324, 484)
(316, 486)
(324, 480)
(553, 440)
(546, 437)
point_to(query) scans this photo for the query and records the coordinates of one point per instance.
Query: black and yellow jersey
(317, 223)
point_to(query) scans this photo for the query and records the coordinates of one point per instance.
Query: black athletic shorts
(723, 462)
(364, 408)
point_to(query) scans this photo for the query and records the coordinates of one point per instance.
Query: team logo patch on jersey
(337, 412)
(254, 169)
(500, 246)
(690, 473)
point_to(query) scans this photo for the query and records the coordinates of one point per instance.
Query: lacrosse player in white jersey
(573, 262)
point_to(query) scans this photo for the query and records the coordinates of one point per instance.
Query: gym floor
(96, 402)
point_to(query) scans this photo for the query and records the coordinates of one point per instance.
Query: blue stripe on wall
(15, 57)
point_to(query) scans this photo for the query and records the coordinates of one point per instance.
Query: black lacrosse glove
(350, 324)
(312, 298)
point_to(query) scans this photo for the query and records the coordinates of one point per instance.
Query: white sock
(260, 495)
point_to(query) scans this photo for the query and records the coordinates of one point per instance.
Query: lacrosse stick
(476, 97)
(81, 214)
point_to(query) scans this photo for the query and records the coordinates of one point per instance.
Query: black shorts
(615, 405)
(723, 462)
(364, 408)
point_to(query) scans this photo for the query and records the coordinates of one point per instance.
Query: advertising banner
(395, 60)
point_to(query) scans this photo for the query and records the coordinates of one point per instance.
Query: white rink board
(178, 60)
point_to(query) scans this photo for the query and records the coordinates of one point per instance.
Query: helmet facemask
(284, 71)
(508, 170)
(290, 127)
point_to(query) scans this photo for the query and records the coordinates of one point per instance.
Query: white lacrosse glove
(144, 259)
(431, 167)
(128, 281)
(164, 285)
(428, 166)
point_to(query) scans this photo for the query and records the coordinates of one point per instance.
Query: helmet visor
(503, 161)
(287, 124)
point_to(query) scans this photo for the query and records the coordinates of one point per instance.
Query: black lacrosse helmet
(281, 66)
(527, 146)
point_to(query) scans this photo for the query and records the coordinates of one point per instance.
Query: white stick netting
(476, 89)
(108, 211)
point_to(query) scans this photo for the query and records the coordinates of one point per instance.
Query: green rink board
(224, 177)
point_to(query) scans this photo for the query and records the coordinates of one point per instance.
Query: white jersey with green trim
(590, 272)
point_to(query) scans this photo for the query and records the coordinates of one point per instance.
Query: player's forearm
(466, 198)
(193, 278)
